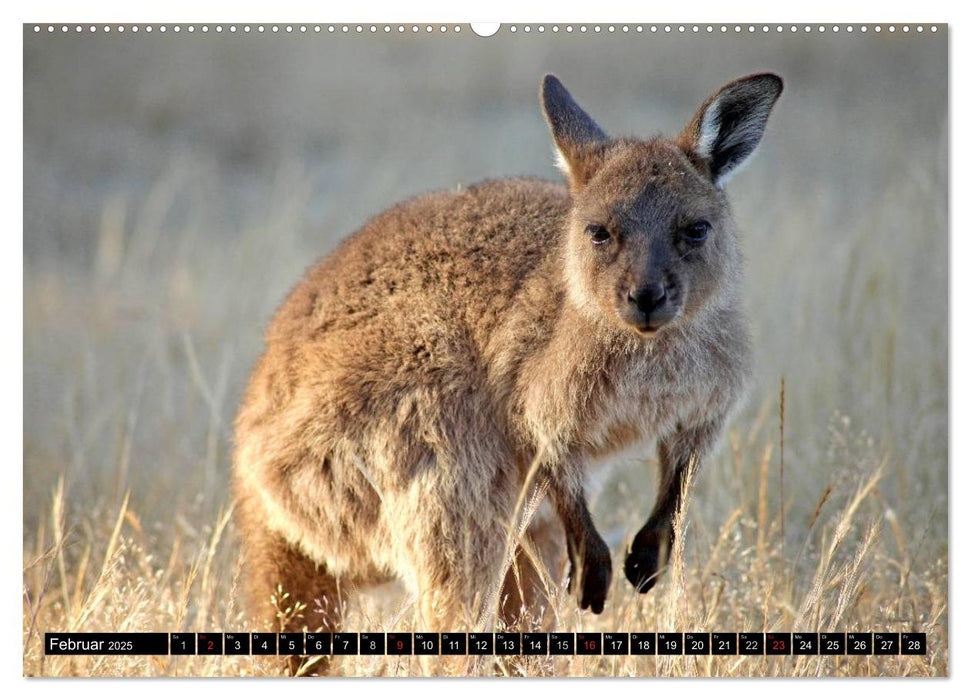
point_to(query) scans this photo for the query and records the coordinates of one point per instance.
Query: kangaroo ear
(577, 137)
(729, 125)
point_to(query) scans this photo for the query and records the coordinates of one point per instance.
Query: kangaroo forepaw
(645, 559)
(594, 579)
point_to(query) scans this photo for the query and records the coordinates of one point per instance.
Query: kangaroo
(465, 344)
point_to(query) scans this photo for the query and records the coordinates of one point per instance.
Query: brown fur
(415, 375)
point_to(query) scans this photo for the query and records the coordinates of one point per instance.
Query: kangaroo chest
(643, 401)
(596, 408)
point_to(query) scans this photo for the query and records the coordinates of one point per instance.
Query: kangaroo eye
(697, 232)
(598, 234)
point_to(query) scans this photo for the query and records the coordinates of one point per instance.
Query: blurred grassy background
(176, 186)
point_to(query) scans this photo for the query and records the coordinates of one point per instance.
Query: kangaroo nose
(648, 298)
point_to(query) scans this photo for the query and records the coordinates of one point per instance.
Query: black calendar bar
(778, 643)
(372, 644)
(345, 643)
(236, 643)
(210, 643)
(588, 643)
(183, 643)
(751, 643)
(264, 643)
(670, 643)
(427, 643)
(697, 643)
(291, 643)
(482, 643)
(859, 643)
(454, 643)
(536, 643)
(886, 643)
(488, 643)
(805, 643)
(832, 643)
(565, 644)
(111, 643)
(643, 643)
(913, 643)
(617, 643)
(508, 643)
(318, 643)
(399, 643)
(724, 643)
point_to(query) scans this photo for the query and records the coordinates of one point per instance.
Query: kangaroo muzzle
(649, 307)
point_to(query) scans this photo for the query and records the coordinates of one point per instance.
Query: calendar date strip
(488, 643)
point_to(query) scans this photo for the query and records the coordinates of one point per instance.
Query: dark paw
(595, 578)
(645, 560)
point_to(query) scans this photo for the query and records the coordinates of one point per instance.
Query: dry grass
(176, 187)
(854, 571)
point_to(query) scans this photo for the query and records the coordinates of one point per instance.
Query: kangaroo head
(650, 238)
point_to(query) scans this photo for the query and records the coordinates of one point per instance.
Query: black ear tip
(772, 82)
(763, 82)
(549, 84)
(552, 93)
